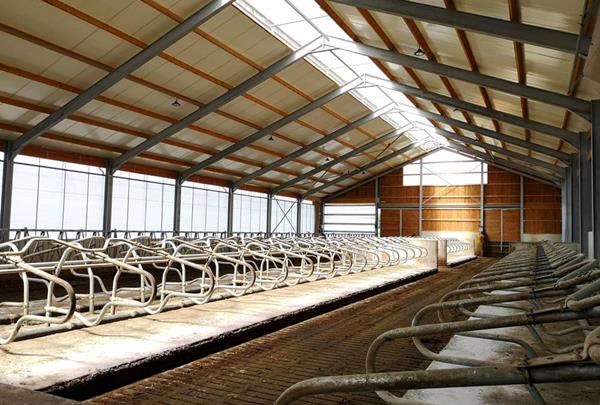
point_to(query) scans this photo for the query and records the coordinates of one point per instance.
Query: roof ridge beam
(319, 142)
(568, 136)
(388, 135)
(577, 105)
(368, 166)
(242, 143)
(133, 63)
(514, 31)
(219, 101)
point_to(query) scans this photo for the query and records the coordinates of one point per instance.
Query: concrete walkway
(81, 354)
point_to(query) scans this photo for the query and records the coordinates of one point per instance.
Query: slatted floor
(335, 343)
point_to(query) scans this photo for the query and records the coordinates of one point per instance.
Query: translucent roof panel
(298, 22)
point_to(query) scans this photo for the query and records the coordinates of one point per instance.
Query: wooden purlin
(389, 43)
(514, 10)
(169, 13)
(413, 74)
(139, 110)
(134, 41)
(340, 22)
(575, 80)
(466, 46)
(135, 132)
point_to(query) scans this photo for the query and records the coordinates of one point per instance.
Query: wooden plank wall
(364, 194)
(543, 213)
(542, 209)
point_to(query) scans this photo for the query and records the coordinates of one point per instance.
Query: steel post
(108, 197)
(7, 190)
(585, 189)
(596, 174)
(177, 207)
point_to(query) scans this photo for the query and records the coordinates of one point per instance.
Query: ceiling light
(176, 103)
(419, 52)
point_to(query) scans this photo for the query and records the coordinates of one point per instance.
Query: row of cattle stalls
(525, 330)
(52, 285)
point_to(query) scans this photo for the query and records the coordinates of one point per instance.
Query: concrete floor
(258, 371)
(76, 355)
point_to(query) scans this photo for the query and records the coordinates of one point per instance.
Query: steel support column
(575, 200)
(269, 213)
(567, 204)
(7, 190)
(420, 197)
(177, 207)
(298, 215)
(521, 208)
(230, 199)
(108, 197)
(133, 63)
(377, 208)
(481, 200)
(596, 174)
(585, 189)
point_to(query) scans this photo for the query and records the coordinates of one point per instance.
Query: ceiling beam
(311, 146)
(577, 105)
(565, 157)
(514, 31)
(504, 164)
(395, 133)
(378, 175)
(218, 102)
(155, 48)
(568, 136)
(242, 143)
(366, 167)
(515, 155)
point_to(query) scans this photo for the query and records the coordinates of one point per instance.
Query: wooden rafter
(183, 65)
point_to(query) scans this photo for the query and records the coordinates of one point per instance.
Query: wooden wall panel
(361, 195)
(492, 225)
(410, 222)
(503, 187)
(542, 205)
(543, 208)
(451, 220)
(511, 229)
(390, 222)
(455, 195)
